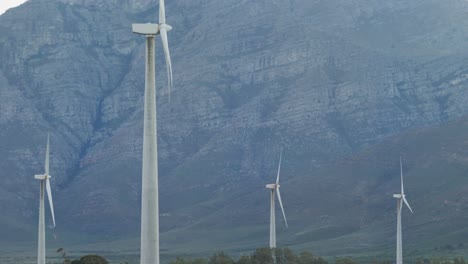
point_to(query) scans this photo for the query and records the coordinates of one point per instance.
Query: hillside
(346, 207)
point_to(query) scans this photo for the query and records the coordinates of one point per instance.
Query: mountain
(325, 80)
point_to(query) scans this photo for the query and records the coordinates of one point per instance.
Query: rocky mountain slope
(322, 79)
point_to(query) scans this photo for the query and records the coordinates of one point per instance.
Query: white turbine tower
(149, 251)
(274, 188)
(401, 198)
(45, 182)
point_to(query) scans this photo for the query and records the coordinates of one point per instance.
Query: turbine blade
(49, 195)
(401, 174)
(46, 164)
(279, 167)
(162, 12)
(167, 54)
(282, 209)
(407, 204)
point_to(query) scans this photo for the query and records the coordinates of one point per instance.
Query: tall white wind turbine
(274, 188)
(149, 249)
(401, 198)
(45, 183)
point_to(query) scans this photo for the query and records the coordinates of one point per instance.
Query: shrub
(93, 259)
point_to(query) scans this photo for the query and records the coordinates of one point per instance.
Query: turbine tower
(274, 188)
(401, 198)
(149, 249)
(45, 182)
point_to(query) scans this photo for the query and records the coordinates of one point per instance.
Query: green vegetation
(87, 259)
(261, 256)
(265, 256)
(457, 260)
(91, 259)
(287, 256)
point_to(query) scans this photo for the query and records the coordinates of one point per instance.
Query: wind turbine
(45, 182)
(149, 250)
(401, 198)
(274, 188)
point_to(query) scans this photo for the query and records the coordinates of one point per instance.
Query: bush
(308, 258)
(260, 256)
(220, 258)
(93, 259)
(263, 256)
(346, 261)
(460, 260)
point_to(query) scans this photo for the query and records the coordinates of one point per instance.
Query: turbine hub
(165, 26)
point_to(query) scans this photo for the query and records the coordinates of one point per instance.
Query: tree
(262, 256)
(440, 261)
(180, 261)
(422, 261)
(347, 260)
(308, 258)
(384, 262)
(221, 258)
(199, 261)
(290, 257)
(244, 260)
(93, 259)
(460, 260)
(279, 256)
(189, 261)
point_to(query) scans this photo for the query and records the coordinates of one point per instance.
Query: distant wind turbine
(149, 251)
(274, 188)
(401, 198)
(45, 180)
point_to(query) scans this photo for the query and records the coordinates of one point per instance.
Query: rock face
(322, 79)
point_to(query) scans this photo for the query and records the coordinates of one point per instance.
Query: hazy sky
(5, 4)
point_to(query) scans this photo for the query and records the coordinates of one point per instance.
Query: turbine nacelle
(272, 186)
(42, 177)
(150, 29)
(398, 196)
